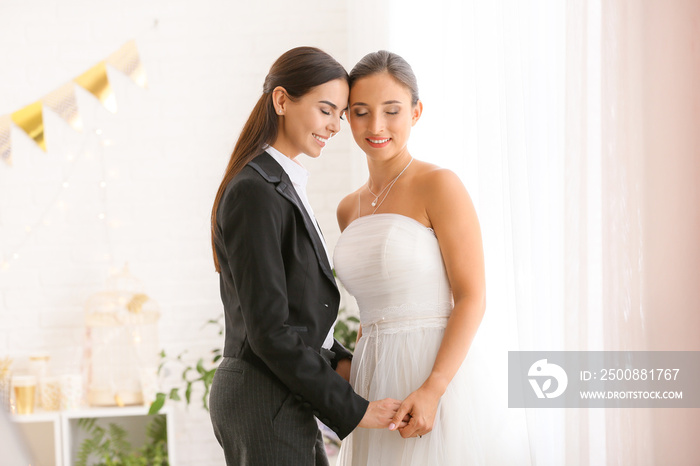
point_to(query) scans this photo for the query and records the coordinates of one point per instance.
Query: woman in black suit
(281, 366)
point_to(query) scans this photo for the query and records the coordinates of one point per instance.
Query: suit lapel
(274, 173)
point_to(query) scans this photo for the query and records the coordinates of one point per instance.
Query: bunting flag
(127, 60)
(63, 102)
(96, 82)
(5, 142)
(31, 120)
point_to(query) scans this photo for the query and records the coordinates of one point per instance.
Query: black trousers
(259, 422)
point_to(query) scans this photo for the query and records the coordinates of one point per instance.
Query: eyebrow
(334, 106)
(388, 102)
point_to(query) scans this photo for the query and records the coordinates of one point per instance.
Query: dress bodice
(393, 267)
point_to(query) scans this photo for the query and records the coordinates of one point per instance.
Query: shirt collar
(298, 174)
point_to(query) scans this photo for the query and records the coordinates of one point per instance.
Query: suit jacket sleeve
(340, 351)
(253, 228)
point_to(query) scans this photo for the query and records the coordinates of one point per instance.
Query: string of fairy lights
(93, 143)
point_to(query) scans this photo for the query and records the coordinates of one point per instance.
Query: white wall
(205, 62)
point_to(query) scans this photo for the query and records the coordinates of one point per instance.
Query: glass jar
(38, 367)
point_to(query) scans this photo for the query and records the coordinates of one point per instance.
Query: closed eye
(326, 112)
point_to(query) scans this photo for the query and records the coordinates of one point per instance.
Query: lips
(322, 141)
(378, 142)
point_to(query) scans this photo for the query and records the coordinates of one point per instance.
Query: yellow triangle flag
(127, 60)
(31, 120)
(63, 102)
(96, 82)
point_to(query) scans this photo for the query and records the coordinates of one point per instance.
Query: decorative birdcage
(121, 341)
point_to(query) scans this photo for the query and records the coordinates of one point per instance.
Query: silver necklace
(376, 196)
(387, 188)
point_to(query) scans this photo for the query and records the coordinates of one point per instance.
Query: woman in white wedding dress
(411, 254)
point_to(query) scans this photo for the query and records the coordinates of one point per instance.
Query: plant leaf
(188, 392)
(157, 404)
(174, 395)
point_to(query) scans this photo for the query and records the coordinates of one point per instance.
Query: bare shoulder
(434, 181)
(446, 200)
(347, 210)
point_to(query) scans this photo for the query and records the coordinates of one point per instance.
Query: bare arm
(454, 220)
(359, 335)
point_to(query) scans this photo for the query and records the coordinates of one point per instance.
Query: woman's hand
(380, 414)
(421, 407)
(343, 369)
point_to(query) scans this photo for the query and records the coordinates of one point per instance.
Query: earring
(280, 111)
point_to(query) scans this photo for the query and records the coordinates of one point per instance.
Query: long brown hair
(384, 61)
(298, 71)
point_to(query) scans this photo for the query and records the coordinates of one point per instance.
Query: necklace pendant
(374, 203)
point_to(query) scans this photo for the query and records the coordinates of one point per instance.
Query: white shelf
(110, 412)
(37, 416)
(40, 430)
(61, 429)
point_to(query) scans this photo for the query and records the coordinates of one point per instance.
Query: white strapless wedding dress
(393, 266)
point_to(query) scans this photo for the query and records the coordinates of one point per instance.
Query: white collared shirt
(299, 177)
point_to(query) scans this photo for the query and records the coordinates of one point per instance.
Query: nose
(334, 125)
(376, 123)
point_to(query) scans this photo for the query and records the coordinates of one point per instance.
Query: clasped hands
(412, 417)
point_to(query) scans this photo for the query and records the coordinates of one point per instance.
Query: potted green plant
(109, 446)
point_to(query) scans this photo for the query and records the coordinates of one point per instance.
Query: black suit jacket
(279, 294)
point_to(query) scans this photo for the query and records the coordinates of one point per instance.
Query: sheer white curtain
(529, 103)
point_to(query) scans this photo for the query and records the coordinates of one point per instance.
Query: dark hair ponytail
(298, 71)
(384, 61)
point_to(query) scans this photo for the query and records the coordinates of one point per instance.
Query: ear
(280, 99)
(417, 111)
